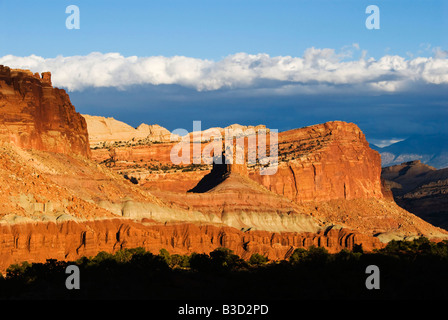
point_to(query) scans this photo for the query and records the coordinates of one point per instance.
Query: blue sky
(214, 29)
(285, 64)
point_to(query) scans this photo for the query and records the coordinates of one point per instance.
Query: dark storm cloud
(380, 116)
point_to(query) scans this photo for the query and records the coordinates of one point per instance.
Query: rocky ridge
(34, 115)
(60, 200)
(109, 131)
(328, 171)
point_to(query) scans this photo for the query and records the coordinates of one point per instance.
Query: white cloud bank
(316, 69)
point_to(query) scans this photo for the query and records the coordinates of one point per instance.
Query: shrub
(298, 255)
(165, 255)
(181, 261)
(148, 262)
(103, 256)
(16, 271)
(200, 262)
(315, 255)
(123, 256)
(257, 259)
(225, 259)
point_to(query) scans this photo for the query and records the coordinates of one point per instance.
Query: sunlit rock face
(35, 115)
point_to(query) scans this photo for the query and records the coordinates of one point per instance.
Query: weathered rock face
(68, 241)
(317, 163)
(54, 204)
(325, 162)
(328, 171)
(59, 207)
(109, 131)
(35, 115)
(63, 207)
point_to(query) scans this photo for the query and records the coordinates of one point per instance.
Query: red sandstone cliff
(325, 162)
(327, 170)
(54, 204)
(316, 163)
(35, 115)
(36, 242)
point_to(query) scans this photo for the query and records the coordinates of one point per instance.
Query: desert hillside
(326, 171)
(70, 188)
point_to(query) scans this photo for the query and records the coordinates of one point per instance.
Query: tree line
(409, 269)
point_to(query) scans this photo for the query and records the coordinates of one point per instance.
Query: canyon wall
(69, 241)
(316, 163)
(60, 200)
(35, 115)
(325, 162)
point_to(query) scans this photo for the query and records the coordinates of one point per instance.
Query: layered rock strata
(69, 240)
(325, 162)
(56, 202)
(35, 115)
(107, 131)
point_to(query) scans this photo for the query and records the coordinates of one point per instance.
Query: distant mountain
(429, 149)
(420, 189)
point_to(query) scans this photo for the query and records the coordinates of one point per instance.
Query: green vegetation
(127, 143)
(409, 269)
